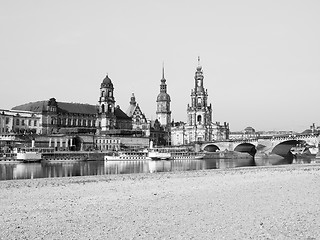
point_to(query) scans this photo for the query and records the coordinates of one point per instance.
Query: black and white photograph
(159, 119)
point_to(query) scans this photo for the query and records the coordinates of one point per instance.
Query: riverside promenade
(280, 202)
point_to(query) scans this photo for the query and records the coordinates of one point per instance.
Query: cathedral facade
(199, 126)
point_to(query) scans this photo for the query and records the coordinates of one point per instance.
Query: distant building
(163, 114)
(139, 121)
(247, 133)
(75, 126)
(109, 116)
(199, 126)
(19, 122)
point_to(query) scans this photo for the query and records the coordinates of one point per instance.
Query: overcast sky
(261, 59)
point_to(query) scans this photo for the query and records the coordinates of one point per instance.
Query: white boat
(175, 153)
(28, 155)
(187, 155)
(159, 154)
(127, 156)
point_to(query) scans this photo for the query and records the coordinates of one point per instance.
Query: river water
(9, 171)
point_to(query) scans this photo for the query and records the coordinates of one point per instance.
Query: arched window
(199, 119)
(102, 108)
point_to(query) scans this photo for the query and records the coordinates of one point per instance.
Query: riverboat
(28, 154)
(187, 155)
(9, 158)
(64, 156)
(127, 156)
(159, 154)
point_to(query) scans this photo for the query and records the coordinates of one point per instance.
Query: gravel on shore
(246, 203)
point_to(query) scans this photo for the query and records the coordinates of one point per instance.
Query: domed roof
(249, 129)
(106, 82)
(163, 97)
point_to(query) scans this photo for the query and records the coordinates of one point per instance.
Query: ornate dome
(107, 82)
(163, 97)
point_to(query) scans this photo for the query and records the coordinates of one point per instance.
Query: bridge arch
(246, 147)
(283, 148)
(211, 148)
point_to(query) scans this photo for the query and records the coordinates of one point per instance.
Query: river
(10, 171)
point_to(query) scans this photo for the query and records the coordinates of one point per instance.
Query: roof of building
(163, 97)
(120, 114)
(76, 108)
(106, 82)
(38, 106)
(130, 110)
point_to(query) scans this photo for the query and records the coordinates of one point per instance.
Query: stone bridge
(280, 145)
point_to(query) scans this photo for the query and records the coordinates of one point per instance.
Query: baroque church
(199, 126)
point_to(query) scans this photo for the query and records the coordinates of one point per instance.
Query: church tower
(199, 113)
(107, 105)
(163, 104)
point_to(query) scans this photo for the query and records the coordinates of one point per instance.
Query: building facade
(199, 125)
(74, 126)
(71, 118)
(139, 120)
(19, 122)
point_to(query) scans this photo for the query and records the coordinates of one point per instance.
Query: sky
(261, 59)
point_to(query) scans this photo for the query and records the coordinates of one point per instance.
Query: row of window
(109, 147)
(76, 122)
(24, 122)
(115, 141)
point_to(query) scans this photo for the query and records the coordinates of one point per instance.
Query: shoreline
(279, 202)
(189, 173)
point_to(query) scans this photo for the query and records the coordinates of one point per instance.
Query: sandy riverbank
(257, 203)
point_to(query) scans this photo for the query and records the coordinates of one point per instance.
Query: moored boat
(55, 157)
(9, 158)
(159, 154)
(127, 156)
(28, 155)
(187, 155)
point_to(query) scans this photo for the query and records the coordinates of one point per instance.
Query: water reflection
(10, 171)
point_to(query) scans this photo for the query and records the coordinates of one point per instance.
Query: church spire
(163, 71)
(163, 85)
